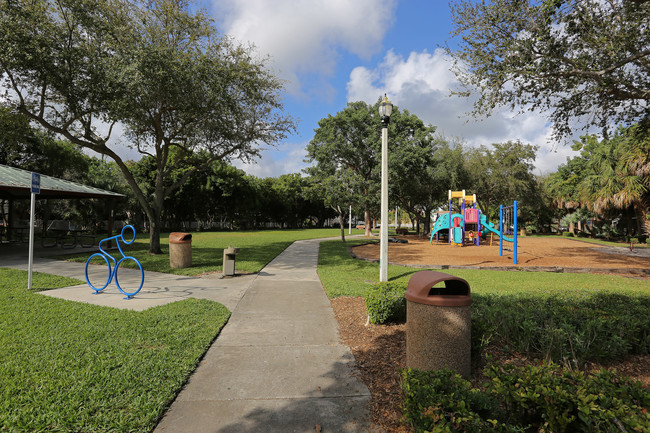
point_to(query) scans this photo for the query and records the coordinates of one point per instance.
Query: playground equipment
(113, 273)
(468, 225)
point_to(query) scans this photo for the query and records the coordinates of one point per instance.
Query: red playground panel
(471, 216)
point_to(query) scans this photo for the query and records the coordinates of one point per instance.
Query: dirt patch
(549, 253)
(380, 351)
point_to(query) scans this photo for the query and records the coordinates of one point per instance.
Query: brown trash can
(180, 250)
(438, 323)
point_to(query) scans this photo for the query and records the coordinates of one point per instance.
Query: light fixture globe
(385, 109)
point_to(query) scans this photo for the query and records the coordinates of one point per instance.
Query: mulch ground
(380, 350)
(552, 253)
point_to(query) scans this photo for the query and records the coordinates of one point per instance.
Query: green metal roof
(16, 184)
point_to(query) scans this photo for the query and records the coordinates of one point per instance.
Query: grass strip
(619, 244)
(71, 367)
(343, 275)
(257, 249)
(14, 278)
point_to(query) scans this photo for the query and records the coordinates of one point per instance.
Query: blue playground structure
(466, 227)
(113, 273)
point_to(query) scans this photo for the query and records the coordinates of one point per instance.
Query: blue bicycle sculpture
(116, 264)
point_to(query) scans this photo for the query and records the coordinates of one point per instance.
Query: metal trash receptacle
(180, 250)
(229, 255)
(438, 323)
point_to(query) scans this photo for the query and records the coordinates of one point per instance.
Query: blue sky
(337, 51)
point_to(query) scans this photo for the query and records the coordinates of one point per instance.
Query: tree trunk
(427, 221)
(642, 208)
(342, 223)
(154, 237)
(366, 219)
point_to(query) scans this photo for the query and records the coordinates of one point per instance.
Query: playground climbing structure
(466, 222)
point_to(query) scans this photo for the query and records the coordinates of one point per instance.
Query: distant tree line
(608, 183)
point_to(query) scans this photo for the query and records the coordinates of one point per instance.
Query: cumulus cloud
(286, 158)
(306, 36)
(421, 83)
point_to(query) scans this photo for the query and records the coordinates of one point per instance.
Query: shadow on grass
(597, 327)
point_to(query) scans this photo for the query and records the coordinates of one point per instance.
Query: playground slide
(442, 223)
(490, 227)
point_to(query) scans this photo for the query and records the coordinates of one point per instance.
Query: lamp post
(385, 110)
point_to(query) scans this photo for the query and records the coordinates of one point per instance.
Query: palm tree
(619, 173)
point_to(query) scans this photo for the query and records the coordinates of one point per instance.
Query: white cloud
(422, 84)
(285, 159)
(305, 36)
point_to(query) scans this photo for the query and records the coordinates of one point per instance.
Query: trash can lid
(421, 290)
(180, 238)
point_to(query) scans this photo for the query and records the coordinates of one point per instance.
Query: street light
(385, 110)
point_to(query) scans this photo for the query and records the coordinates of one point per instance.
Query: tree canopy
(610, 174)
(347, 152)
(80, 67)
(585, 62)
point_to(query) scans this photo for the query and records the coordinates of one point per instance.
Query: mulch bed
(551, 253)
(380, 350)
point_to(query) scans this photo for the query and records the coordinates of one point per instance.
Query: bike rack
(116, 264)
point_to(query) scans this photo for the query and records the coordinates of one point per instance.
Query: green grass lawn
(73, 367)
(592, 241)
(14, 278)
(344, 276)
(257, 249)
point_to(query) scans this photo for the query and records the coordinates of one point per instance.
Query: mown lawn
(257, 248)
(344, 276)
(72, 367)
(595, 241)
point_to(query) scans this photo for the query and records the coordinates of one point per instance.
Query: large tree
(503, 173)
(618, 173)
(346, 150)
(81, 67)
(585, 62)
(412, 166)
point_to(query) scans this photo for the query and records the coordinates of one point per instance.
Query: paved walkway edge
(278, 365)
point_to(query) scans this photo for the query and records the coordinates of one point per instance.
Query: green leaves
(543, 398)
(571, 329)
(385, 303)
(568, 58)
(158, 68)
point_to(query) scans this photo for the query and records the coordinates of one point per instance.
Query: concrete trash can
(180, 250)
(229, 261)
(438, 323)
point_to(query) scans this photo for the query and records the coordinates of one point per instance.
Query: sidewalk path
(158, 288)
(278, 365)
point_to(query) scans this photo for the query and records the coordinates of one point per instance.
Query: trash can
(180, 250)
(438, 322)
(229, 261)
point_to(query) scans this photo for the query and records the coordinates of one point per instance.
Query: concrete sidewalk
(278, 365)
(158, 288)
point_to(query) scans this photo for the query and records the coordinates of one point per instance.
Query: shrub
(441, 401)
(599, 327)
(567, 234)
(543, 398)
(385, 302)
